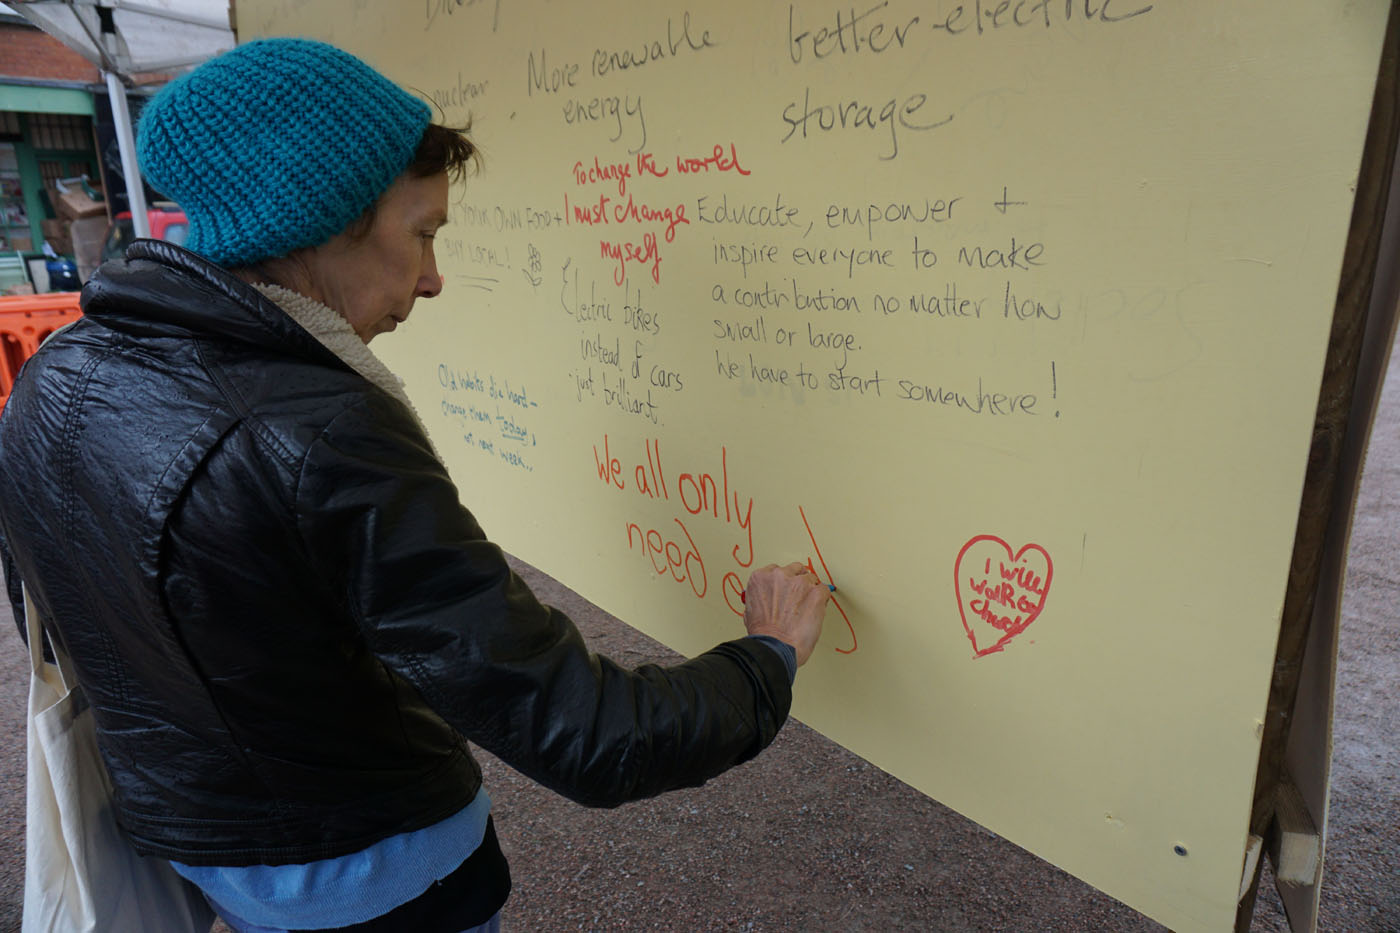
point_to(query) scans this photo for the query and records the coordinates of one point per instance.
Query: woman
(286, 624)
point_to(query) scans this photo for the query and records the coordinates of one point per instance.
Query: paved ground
(811, 838)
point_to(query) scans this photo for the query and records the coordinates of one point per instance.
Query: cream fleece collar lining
(336, 335)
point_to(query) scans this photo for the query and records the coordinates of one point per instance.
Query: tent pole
(126, 142)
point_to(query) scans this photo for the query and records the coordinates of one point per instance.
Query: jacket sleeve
(14, 590)
(440, 606)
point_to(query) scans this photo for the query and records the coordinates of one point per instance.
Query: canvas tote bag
(80, 873)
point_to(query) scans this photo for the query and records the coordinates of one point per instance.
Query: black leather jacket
(283, 618)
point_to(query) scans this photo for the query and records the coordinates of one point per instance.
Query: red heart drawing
(999, 594)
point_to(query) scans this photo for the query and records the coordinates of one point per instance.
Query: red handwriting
(667, 555)
(708, 496)
(651, 478)
(645, 213)
(829, 579)
(700, 493)
(733, 588)
(587, 214)
(646, 162)
(620, 172)
(716, 160)
(720, 159)
(596, 213)
(999, 594)
(668, 218)
(609, 467)
(645, 252)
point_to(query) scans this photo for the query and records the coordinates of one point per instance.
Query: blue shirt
(337, 892)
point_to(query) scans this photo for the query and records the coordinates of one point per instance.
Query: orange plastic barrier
(25, 322)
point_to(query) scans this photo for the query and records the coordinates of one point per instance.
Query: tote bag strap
(36, 645)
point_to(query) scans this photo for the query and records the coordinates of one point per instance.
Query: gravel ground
(809, 837)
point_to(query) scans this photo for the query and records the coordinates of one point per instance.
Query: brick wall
(26, 52)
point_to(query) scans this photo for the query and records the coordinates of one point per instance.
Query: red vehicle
(167, 221)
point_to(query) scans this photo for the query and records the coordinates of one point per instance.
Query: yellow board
(1008, 316)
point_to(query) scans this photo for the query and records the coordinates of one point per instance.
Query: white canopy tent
(127, 37)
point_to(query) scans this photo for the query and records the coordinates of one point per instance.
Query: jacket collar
(163, 290)
(334, 332)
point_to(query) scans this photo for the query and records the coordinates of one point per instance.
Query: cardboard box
(74, 204)
(56, 235)
(88, 235)
(77, 204)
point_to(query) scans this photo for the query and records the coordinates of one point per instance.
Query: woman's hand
(787, 603)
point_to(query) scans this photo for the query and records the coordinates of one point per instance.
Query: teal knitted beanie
(276, 145)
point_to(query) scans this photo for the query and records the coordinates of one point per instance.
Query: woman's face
(373, 280)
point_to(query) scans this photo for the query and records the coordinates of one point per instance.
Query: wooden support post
(1295, 846)
(1251, 865)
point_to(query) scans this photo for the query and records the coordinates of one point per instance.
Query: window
(60, 131)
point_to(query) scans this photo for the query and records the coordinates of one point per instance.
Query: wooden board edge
(1336, 396)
